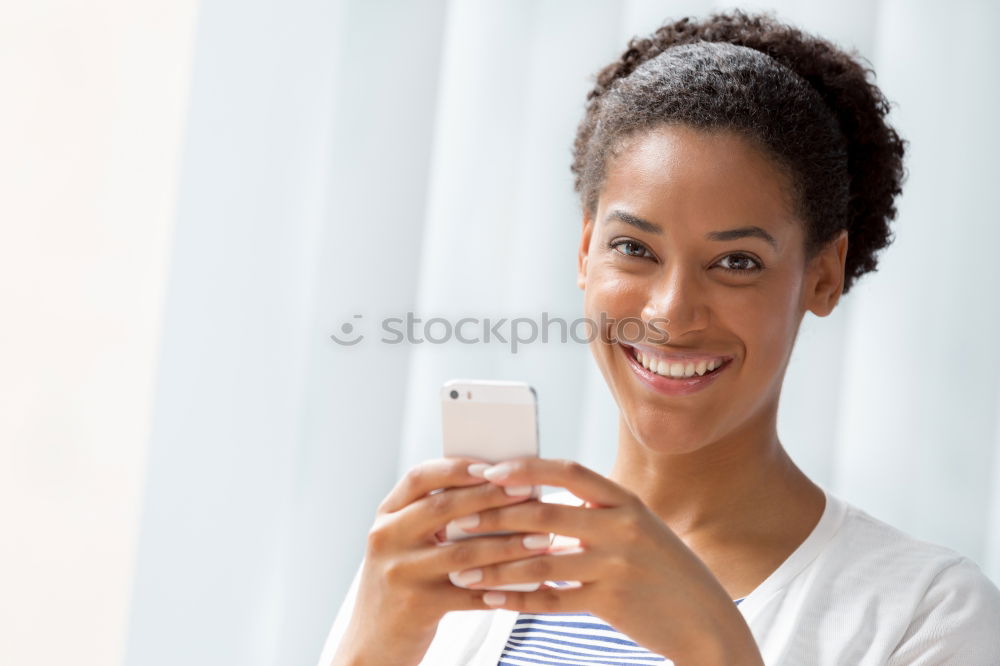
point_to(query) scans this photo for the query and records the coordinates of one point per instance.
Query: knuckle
(545, 512)
(538, 567)
(549, 600)
(458, 466)
(619, 600)
(619, 565)
(376, 541)
(379, 536)
(461, 554)
(631, 529)
(630, 535)
(440, 503)
(416, 474)
(571, 467)
(394, 573)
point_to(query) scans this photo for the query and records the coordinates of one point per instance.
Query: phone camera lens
(454, 395)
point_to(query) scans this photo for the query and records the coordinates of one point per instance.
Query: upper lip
(679, 357)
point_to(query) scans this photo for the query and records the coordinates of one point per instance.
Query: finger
(542, 600)
(444, 596)
(430, 475)
(588, 525)
(441, 594)
(580, 565)
(421, 518)
(581, 481)
(476, 552)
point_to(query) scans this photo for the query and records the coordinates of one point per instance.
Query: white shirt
(856, 592)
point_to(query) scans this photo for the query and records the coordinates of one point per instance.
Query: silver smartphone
(492, 421)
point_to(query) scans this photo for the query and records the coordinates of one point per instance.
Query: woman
(734, 174)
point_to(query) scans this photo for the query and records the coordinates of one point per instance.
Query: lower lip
(669, 385)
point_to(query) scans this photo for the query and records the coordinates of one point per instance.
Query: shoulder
(867, 542)
(957, 619)
(951, 609)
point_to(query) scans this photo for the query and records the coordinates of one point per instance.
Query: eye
(629, 247)
(741, 263)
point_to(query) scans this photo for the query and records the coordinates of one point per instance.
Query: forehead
(698, 179)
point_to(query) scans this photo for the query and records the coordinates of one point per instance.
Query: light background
(195, 194)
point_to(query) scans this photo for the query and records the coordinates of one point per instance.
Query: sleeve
(341, 620)
(956, 623)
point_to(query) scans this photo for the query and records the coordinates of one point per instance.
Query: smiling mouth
(678, 370)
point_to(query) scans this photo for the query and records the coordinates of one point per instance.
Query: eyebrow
(727, 235)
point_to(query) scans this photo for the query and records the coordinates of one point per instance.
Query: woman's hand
(636, 574)
(404, 588)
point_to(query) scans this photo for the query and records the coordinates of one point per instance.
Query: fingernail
(465, 522)
(517, 491)
(497, 472)
(536, 541)
(494, 598)
(466, 577)
(477, 469)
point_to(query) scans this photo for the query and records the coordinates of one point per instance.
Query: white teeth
(676, 370)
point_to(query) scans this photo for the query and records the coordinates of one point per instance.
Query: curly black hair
(805, 102)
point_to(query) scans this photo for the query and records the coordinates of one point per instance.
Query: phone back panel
(491, 421)
(490, 431)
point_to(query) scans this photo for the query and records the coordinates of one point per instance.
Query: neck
(742, 484)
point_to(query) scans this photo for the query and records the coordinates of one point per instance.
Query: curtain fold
(368, 157)
(918, 417)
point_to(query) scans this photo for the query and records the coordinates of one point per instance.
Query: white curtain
(368, 157)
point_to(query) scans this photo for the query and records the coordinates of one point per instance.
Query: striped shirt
(557, 639)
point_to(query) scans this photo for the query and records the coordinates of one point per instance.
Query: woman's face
(695, 236)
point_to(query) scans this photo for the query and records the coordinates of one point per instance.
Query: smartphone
(491, 421)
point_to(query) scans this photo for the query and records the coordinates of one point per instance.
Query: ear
(825, 279)
(584, 251)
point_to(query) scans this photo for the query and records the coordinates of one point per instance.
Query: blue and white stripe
(558, 639)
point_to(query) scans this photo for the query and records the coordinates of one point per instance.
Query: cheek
(616, 295)
(765, 322)
(608, 298)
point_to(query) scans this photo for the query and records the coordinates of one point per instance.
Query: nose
(676, 305)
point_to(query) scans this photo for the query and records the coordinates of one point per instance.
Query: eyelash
(613, 245)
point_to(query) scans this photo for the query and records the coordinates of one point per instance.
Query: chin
(662, 430)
